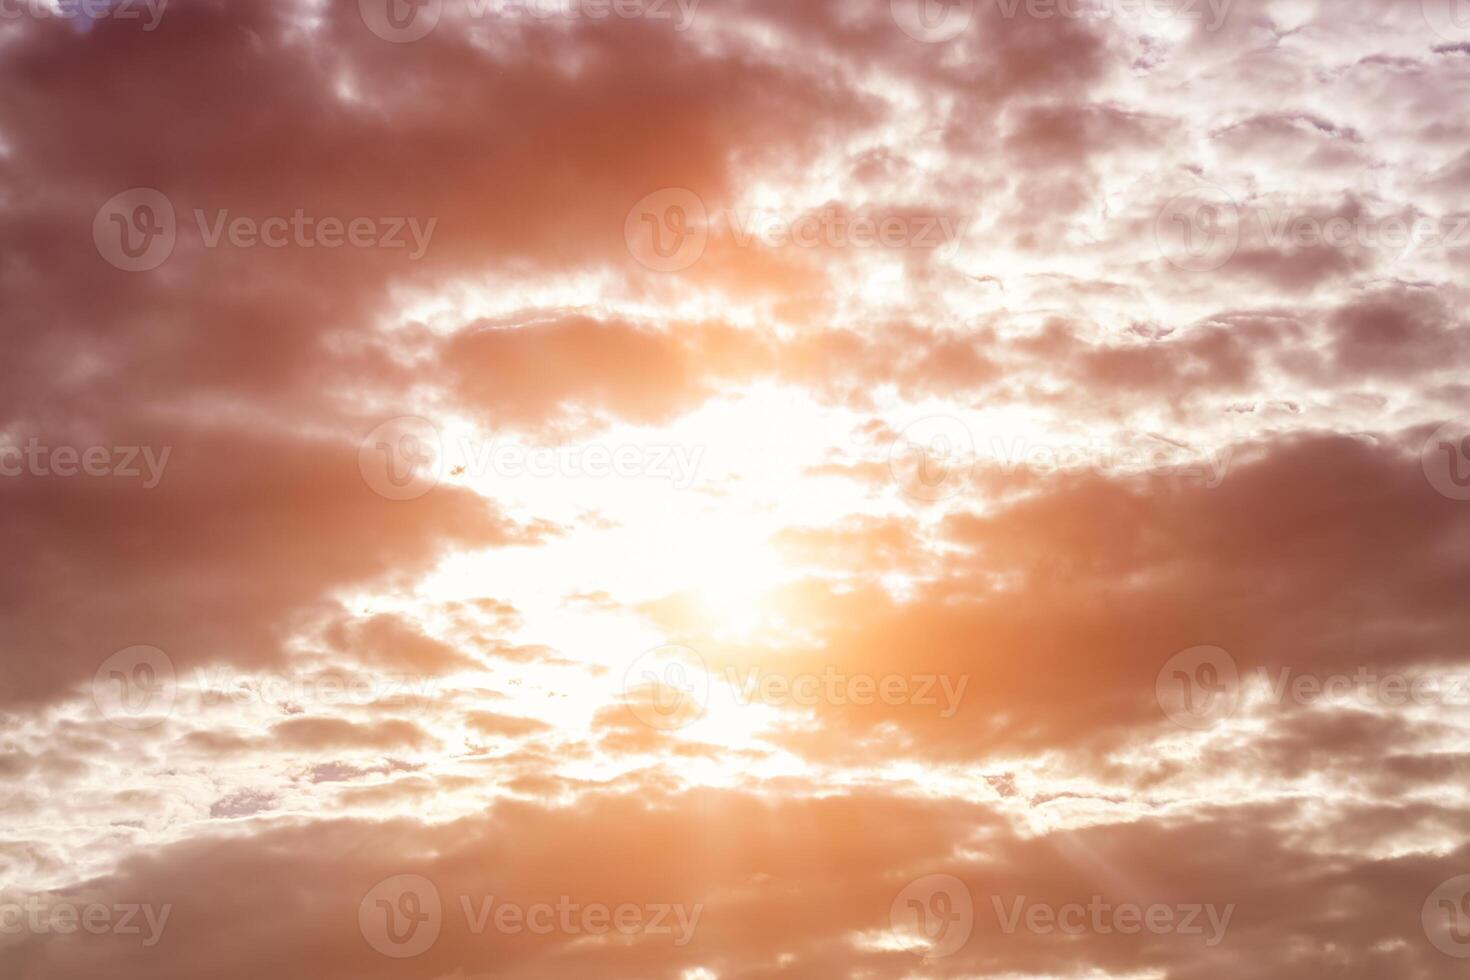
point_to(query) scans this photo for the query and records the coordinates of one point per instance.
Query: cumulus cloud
(808, 483)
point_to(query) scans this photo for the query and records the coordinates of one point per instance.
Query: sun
(732, 583)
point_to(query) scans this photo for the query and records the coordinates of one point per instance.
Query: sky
(734, 489)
